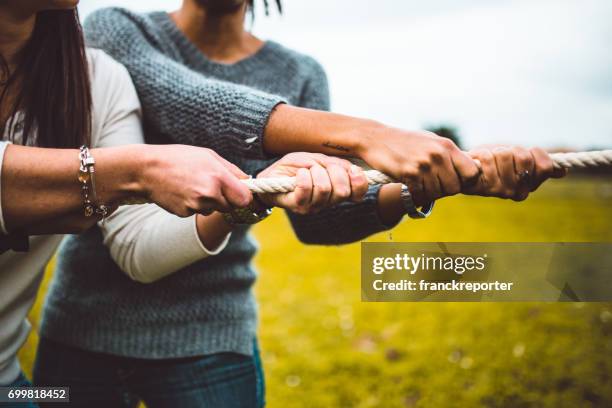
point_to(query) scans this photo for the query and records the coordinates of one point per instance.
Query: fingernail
(355, 170)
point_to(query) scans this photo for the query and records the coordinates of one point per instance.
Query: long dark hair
(54, 88)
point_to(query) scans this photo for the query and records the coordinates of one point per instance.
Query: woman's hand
(511, 171)
(321, 181)
(185, 180)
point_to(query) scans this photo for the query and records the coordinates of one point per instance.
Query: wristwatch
(249, 215)
(411, 209)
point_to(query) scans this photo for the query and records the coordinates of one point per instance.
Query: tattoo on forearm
(336, 147)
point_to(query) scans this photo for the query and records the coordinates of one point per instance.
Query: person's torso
(91, 296)
(21, 272)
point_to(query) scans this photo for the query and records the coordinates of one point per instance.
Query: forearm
(294, 129)
(40, 184)
(149, 243)
(212, 230)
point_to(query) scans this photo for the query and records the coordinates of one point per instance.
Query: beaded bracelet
(88, 185)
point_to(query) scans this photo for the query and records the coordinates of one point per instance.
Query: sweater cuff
(207, 251)
(250, 119)
(372, 196)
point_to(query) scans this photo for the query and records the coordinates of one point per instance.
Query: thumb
(235, 192)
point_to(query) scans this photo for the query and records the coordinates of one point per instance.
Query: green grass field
(323, 347)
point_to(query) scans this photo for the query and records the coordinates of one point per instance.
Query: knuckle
(209, 190)
(324, 189)
(409, 173)
(487, 157)
(447, 143)
(505, 154)
(424, 166)
(439, 149)
(472, 177)
(215, 176)
(524, 157)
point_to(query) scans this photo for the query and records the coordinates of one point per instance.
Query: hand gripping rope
(560, 160)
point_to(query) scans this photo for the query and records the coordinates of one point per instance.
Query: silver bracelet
(411, 209)
(91, 206)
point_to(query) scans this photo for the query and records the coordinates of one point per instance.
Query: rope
(560, 160)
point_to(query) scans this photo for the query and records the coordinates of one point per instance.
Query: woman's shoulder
(102, 65)
(109, 79)
(112, 92)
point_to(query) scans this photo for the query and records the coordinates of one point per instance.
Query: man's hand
(186, 180)
(432, 166)
(321, 181)
(511, 171)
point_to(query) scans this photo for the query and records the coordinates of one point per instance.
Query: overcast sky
(534, 72)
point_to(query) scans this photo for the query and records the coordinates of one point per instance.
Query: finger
(524, 165)
(544, 167)
(418, 186)
(524, 168)
(235, 192)
(466, 168)
(414, 179)
(450, 183)
(431, 187)
(340, 183)
(559, 172)
(504, 160)
(489, 178)
(359, 183)
(303, 190)
(322, 187)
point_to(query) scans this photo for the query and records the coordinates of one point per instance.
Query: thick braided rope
(566, 160)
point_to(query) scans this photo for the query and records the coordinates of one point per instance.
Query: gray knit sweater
(207, 307)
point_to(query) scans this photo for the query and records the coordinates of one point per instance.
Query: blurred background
(534, 72)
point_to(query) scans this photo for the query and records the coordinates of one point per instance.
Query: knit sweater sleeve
(348, 221)
(181, 105)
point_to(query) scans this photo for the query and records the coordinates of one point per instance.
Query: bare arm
(40, 185)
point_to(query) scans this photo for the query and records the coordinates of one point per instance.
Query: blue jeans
(21, 381)
(221, 380)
